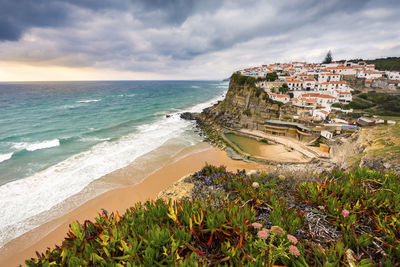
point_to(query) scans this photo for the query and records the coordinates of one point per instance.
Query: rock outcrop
(244, 106)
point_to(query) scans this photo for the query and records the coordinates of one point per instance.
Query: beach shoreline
(51, 233)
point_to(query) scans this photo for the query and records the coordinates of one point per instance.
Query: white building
(279, 97)
(324, 100)
(294, 85)
(304, 102)
(343, 70)
(393, 75)
(369, 74)
(326, 134)
(344, 96)
(320, 114)
(309, 84)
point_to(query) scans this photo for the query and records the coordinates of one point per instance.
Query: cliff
(374, 147)
(244, 106)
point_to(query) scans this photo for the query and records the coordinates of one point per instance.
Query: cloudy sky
(185, 39)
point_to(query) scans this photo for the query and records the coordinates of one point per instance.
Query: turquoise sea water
(57, 137)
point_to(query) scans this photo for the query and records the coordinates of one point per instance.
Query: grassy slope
(382, 144)
(375, 104)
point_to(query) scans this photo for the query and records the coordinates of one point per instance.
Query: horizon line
(32, 81)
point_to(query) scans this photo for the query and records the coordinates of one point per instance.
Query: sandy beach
(53, 232)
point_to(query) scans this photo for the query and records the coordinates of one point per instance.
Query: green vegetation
(389, 63)
(284, 88)
(247, 112)
(243, 80)
(271, 76)
(333, 219)
(365, 205)
(259, 91)
(374, 104)
(328, 58)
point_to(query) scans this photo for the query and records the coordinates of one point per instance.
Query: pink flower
(294, 251)
(321, 207)
(256, 225)
(292, 239)
(345, 213)
(263, 234)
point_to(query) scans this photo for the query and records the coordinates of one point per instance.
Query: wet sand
(53, 232)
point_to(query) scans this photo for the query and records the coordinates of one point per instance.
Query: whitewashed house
(309, 84)
(324, 100)
(343, 70)
(279, 97)
(295, 85)
(326, 134)
(345, 97)
(393, 75)
(368, 74)
(320, 114)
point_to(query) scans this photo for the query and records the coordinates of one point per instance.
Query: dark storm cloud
(166, 35)
(18, 15)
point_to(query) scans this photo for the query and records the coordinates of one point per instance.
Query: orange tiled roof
(338, 82)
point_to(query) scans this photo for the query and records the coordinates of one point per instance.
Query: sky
(185, 39)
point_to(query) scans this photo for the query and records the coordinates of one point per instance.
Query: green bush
(247, 112)
(243, 80)
(238, 219)
(271, 76)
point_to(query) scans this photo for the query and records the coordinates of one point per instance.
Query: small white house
(393, 75)
(295, 85)
(332, 77)
(279, 97)
(326, 134)
(320, 114)
(369, 74)
(345, 97)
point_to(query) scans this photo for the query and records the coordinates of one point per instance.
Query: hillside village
(315, 88)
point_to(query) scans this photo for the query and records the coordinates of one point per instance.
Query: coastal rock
(188, 116)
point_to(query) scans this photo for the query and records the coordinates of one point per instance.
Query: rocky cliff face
(375, 147)
(244, 107)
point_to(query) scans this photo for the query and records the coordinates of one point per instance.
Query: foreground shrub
(236, 219)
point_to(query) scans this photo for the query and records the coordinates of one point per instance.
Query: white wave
(38, 145)
(195, 86)
(68, 106)
(89, 101)
(22, 199)
(4, 157)
(93, 139)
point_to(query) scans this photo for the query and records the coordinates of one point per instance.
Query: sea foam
(89, 100)
(38, 145)
(4, 157)
(22, 200)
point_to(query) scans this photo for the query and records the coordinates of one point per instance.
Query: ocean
(58, 138)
